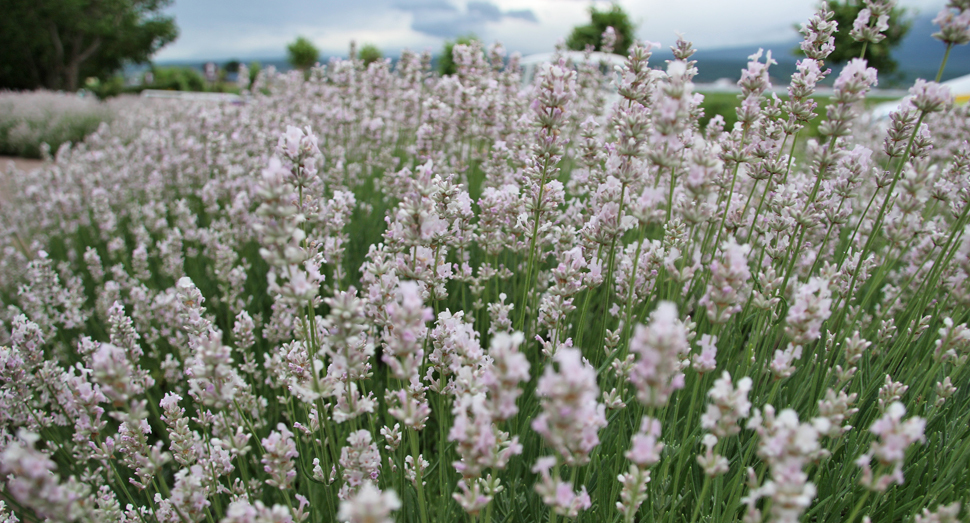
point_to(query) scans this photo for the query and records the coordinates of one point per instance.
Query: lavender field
(377, 294)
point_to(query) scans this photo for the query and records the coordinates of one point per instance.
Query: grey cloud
(485, 10)
(440, 18)
(424, 5)
(246, 28)
(443, 27)
(522, 14)
(248, 13)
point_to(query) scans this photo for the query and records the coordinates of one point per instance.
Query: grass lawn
(724, 104)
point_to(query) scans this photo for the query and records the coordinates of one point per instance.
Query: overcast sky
(223, 29)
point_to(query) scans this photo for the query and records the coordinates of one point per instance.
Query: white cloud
(250, 28)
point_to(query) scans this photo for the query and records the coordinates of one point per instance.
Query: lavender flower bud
(361, 462)
(280, 450)
(645, 446)
(112, 370)
(944, 514)
(705, 361)
(787, 446)
(872, 22)
(819, 34)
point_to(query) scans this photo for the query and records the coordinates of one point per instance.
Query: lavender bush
(380, 295)
(30, 120)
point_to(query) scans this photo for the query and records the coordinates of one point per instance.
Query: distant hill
(279, 63)
(918, 55)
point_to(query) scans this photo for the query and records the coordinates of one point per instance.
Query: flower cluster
(895, 436)
(661, 348)
(371, 292)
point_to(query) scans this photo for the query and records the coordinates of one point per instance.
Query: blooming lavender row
(373, 294)
(28, 121)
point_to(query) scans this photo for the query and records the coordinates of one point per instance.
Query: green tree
(302, 54)
(878, 55)
(55, 43)
(592, 33)
(446, 62)
(177, 79)
(254, 68)
(369, 53)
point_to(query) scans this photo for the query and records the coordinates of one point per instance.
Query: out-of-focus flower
(943, 514)
(787, 446)
(811, 309)
(508, 369)
(571, 414)
(706, 361)
(729, 284)
(895, 436)
(728, 406)
(32, 481)
(661, 348)
(369, 505)
(645, 446)
(954, 26)
(559, 494)
(930, 97)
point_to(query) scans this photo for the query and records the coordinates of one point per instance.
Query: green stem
(555, 474)
(582, 315)
(878, 223)
(825, 239)
(670, 201)
(892, 186)
(419, 479)
(734, 179)
(754, 186)
(608, 282)
(532, 248)
(121, 483)
(699, 502)
(791, 153)
(946, 56)
(857, 226)
(442, 459)
(629, 292)
(858, 507)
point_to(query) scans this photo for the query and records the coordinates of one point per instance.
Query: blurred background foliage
(592, 33)
(54, 44)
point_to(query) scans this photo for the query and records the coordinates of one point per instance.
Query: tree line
(54, 44)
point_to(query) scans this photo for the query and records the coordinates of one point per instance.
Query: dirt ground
(26, 165)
